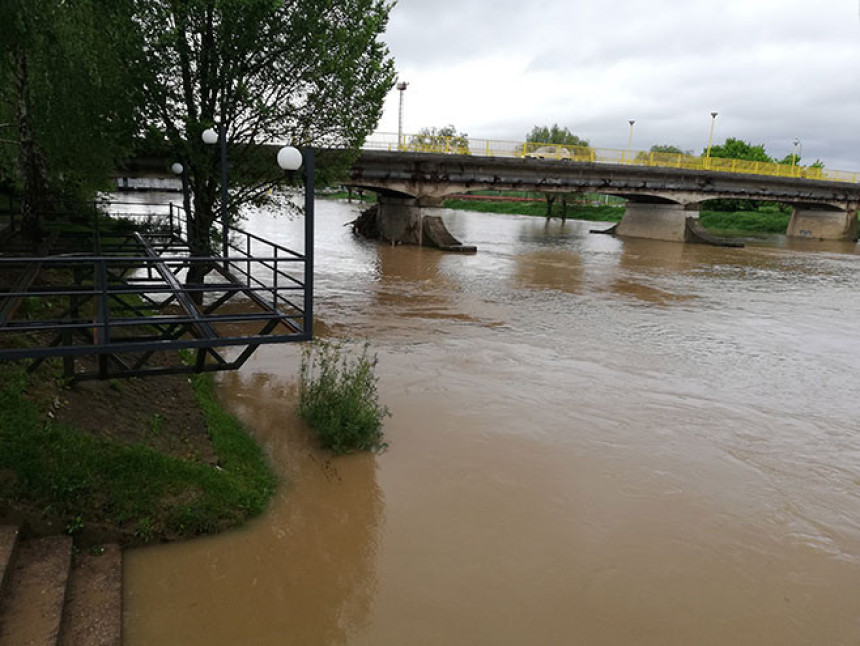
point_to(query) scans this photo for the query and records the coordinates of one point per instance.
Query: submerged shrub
(338, 396)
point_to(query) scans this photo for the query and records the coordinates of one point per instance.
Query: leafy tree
(66, 104)
(445, 139)
(664, 153)
(555, 135)
(738, 149)
(23, 27)
(792, 159)
(665, 148)
(304, 72)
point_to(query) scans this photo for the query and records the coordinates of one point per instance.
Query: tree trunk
(199, 243)
(31, 163)
(550, 199)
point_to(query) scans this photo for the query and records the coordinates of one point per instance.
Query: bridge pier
(405, 220)
(400, 220)
(822, 224)
(657, 221)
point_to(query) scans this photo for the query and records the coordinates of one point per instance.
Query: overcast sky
(774, 70)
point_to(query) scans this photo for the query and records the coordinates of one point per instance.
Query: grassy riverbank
(126, 485)
(764, 221)
(129, 460)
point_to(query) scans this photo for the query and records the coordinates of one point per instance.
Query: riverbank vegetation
(338, 396)
(150, 474)
(761, 221)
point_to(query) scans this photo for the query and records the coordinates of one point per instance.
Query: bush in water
(338, 396)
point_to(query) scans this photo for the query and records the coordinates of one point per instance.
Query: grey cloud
(774, 70)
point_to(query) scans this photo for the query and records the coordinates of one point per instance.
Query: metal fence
(112, 298)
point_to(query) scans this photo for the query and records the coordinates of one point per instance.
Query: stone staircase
(50, 595)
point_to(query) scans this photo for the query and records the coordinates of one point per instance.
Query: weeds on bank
(338, 396)
(757, 221)
(89, 480)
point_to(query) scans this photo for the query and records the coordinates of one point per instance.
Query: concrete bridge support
(823, 224)
(663, 221)
(407, 220)
(400, 220)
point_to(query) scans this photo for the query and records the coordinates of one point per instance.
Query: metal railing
(589, 154)
(111, 298)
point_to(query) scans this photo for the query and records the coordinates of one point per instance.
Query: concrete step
(93, 612)
(31, 609)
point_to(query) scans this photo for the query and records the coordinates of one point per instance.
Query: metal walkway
(111, 300)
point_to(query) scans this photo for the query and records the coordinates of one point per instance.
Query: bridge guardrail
(589, 154)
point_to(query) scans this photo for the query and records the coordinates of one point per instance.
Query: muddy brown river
(593, 441)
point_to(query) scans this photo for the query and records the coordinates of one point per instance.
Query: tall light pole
(290, 159)
(210, 136)
(630, 139)
(180, 171)
(794, 154)
(402, 88)
(711, 135)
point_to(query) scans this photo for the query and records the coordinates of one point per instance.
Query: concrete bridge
(662, 202)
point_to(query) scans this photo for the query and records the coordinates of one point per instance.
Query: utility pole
(630, 141)
(402, 88)
(711, 136)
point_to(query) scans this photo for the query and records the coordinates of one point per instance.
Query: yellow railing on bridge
(564, 153)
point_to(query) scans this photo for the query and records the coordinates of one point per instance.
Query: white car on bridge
(549, 152)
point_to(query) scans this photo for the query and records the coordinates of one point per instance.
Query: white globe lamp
(289, 158)
(210, 136)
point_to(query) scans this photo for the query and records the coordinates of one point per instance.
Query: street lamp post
(290, 159)
(402, 88)
(711, 135)
(794, 154)
(630, 140)
(211, 136)
(180, 171)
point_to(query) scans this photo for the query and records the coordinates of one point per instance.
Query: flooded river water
(593, 441)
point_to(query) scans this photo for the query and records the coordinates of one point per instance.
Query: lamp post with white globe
(290, 159)
(211, 136)
(179, 170)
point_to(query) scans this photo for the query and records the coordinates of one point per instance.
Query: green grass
(143, 493)
(745, 221)
(338, 397)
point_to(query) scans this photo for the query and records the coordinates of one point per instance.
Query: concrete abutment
(821, 224)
